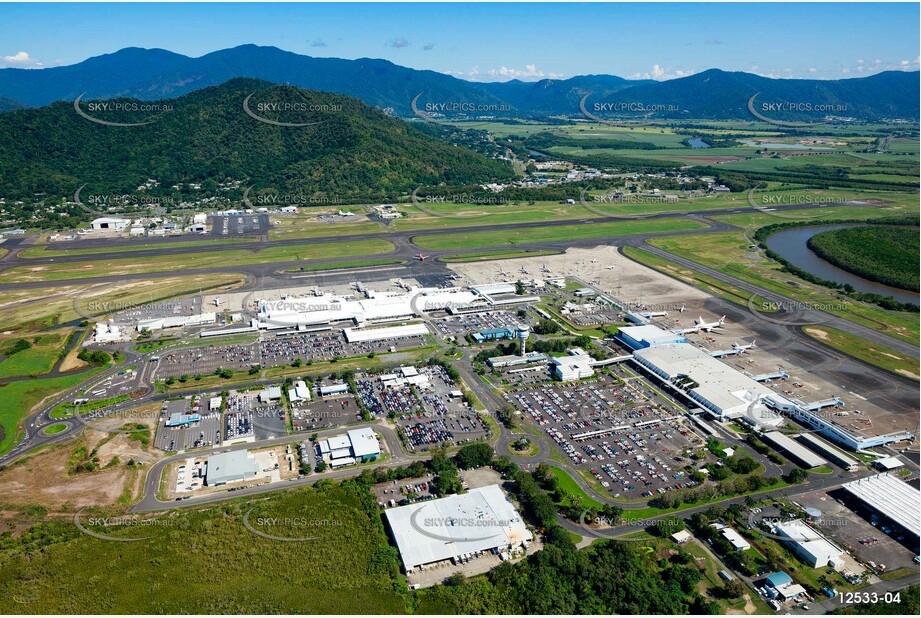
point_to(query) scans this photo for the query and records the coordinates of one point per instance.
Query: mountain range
(150, 74)
(333, 147)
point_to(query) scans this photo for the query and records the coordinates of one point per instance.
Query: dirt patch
(818, 334)
(43, 479)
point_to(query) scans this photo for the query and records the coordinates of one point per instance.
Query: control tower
(522, 334)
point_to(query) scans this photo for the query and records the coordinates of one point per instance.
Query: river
(791, 244)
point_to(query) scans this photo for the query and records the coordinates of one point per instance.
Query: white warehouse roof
(437, 530)
(811, 546)
(364, 442)
(895, 499)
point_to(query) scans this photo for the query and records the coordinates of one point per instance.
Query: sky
(493, 42)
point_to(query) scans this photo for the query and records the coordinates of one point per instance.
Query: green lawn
(56, 428)
(490, 238)
(567, 483)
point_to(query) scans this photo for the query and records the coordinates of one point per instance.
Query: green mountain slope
(348, 151)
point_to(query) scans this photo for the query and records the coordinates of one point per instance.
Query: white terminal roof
(723, 386)
(436, 530)
(353, 335)
(327, 308)
(895, 499)
(653, 335)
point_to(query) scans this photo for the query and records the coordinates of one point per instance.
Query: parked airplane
(709, 326)
(421, 257)
(743, 348)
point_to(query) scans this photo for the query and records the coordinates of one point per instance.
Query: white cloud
(529, 72)
(21, 59)
(398, 43)
(660, 74)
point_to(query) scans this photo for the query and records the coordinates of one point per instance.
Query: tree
(474, 455)
(519, 288)
(669, 526)
(797, 475)
(320, 467)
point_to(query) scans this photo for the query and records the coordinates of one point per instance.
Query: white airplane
(217, 301)
(682, 309)
(743, 348)
(708, 326)
(594, 260)
(609, 268)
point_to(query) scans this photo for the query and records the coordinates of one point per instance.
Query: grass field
(39, 359)
(67, 571)
(180, 262)
(729, 253)
(54, 429)
(49, 250)
(28, 310)
(490, 238)
(872, 353)
(569, 484)
(18, 398)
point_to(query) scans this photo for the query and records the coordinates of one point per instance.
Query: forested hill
(347, 150)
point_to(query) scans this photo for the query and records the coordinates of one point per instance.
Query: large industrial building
(810, 546)
(890, 497)
(223, 468)
(452, 527)
(177, 321)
